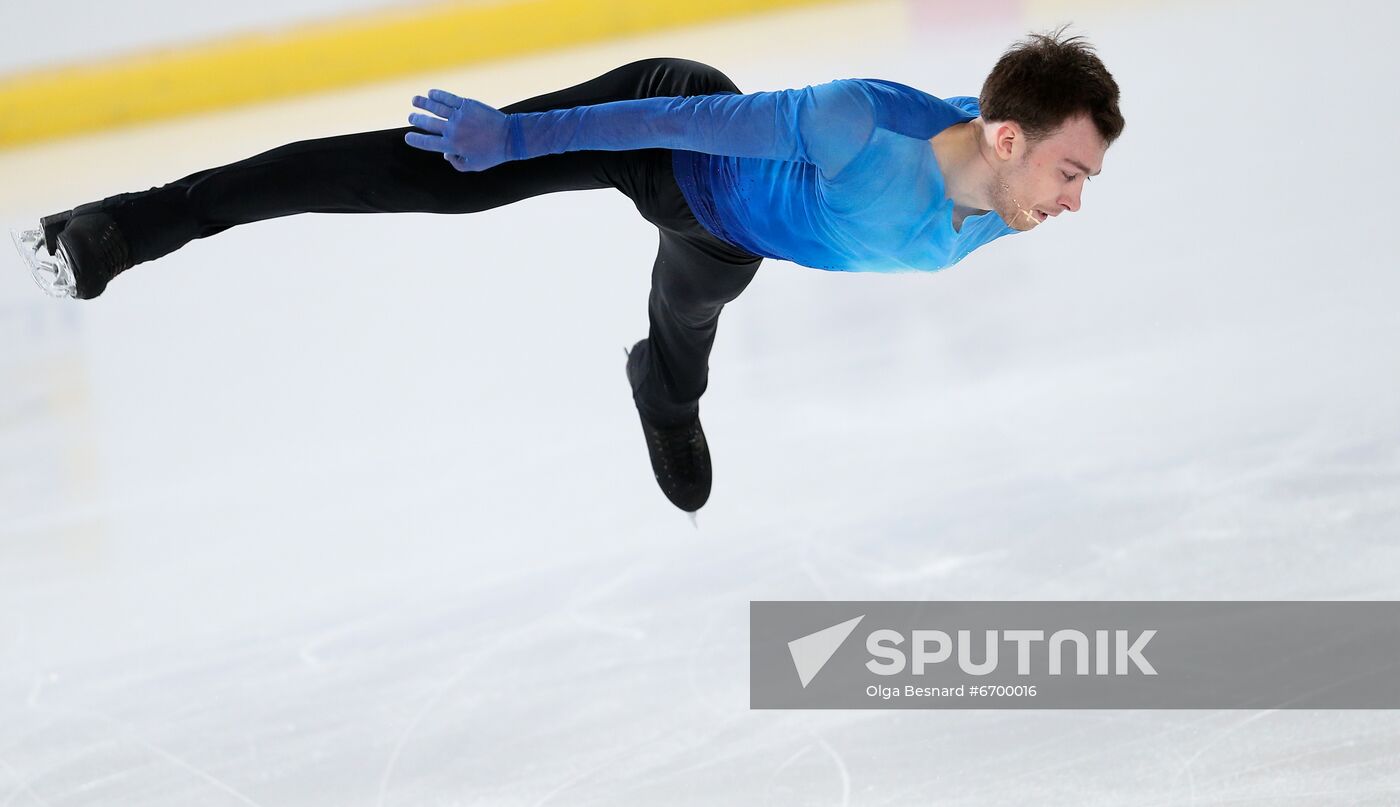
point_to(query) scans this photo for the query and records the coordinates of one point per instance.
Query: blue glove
(469, 134)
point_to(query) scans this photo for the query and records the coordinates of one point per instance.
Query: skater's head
(1049, 112)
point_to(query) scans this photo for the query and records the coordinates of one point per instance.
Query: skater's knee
(686, 306)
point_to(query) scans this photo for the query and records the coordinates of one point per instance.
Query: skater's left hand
(472, 136)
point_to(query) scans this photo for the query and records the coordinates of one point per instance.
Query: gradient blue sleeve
(826, 124)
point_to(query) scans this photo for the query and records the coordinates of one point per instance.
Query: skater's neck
(967, 172)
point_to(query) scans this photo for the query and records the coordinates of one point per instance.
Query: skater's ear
(1008, 139)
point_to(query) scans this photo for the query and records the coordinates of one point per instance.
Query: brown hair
(1043, 81)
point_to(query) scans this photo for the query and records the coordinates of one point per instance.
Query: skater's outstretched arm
(826, 124)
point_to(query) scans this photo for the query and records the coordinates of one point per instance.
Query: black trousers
(694, 275)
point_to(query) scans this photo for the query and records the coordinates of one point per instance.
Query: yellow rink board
(84, 98)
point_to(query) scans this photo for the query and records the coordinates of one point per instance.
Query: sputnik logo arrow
(811, 652)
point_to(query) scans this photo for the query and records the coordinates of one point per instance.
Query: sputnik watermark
(1129, 654)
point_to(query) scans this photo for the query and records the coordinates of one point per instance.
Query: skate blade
(47, 273)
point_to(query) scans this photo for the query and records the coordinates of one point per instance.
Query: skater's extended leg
(368, 172)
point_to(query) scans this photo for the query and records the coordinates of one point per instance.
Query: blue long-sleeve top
(835, 176)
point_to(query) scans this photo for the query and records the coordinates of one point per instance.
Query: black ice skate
(680, 458)
(74, 256)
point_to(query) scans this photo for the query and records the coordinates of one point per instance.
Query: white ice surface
(320, 511)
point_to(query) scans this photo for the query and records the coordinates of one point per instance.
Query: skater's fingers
(445, 97)
(441, 110)
(426, 142)
(428, 123)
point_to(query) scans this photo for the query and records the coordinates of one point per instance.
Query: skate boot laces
(681, 450)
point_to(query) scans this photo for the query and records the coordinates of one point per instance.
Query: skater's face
(1036, 181)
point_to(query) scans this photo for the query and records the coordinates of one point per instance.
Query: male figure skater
(851, 175)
